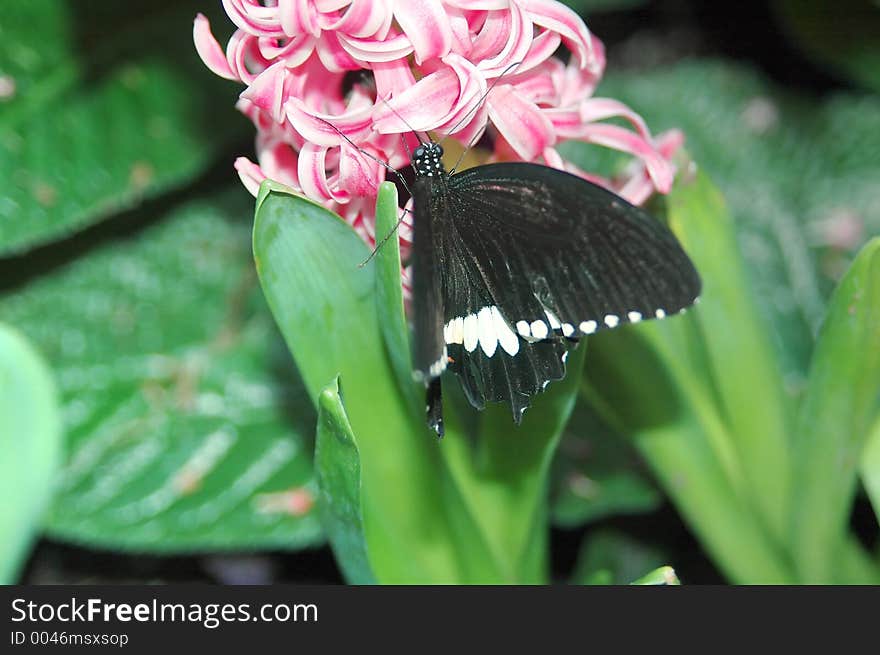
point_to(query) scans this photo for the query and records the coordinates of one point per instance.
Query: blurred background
(125, 260)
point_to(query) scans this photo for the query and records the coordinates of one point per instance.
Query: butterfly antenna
(385, 239)
(384, 164)
(404, 121)
(475, 109)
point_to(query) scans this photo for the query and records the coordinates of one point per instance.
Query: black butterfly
(514, 262)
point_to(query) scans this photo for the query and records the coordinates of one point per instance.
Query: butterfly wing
(528, 259)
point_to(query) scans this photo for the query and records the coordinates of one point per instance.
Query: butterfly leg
(434, 407)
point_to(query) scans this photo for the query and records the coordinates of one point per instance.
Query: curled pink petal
(598, 109)
(428, 65)
(298, 17)
(422, 107)
(294, 53)
(254, 18)
(312, 172)
(334, 54)
(392, 77)
(365, 18)
(619, 138)
(520, 122)
(267, 90)
(426, 26)
(480, 5)
(209, 50)
(328, 129)
(358, 174)
(395, 47)
(251, 175)
(559, 18)
(244, 57)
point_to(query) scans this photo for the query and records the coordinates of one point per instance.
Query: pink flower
(375, 69)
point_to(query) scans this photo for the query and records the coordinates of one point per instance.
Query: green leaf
(389, 291)
(185, 423)
(467, 508)
(308, 261)
(674, 431)
(838, 411)
(93, 128)
(664, 576)
(612, 557)
(502, 470)
(338, 472)
(30, 447)
(597, 473)
(870, 468)
(740, 360)
(850, 48)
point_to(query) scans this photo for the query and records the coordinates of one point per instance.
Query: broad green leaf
(798, 175)
(838, 411)
(325, 305)
(674, 433)
(742, 367)
(467, 508)
(389, 292)
(665, 575)
(338, 475)
(109, 106)
(30, 447)
(597, 473)
(185, 423)
(502, 470)
(611, 557)
(870, 468)
(849, 48)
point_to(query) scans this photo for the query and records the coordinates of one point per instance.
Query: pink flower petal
(318, 128)
(365, 18)
(479, 5)
(298, 17)
(392, 77)
(619, 138)
(294, 53)
(370, 50)
(267, 90)
(597, 109)
(542, 48)
(333, 53)
(559, 18)
(426, 25)
(243, 55)
(422, 107)
(358, 174)
(520, 122)
(505, 40)
(312, 172)
(209, 50)
(254, 18)
(251, 175)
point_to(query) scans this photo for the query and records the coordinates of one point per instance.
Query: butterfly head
(427, 160)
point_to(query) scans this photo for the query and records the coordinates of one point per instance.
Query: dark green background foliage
(149, 402)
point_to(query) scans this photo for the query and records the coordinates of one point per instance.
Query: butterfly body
(513, 263)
